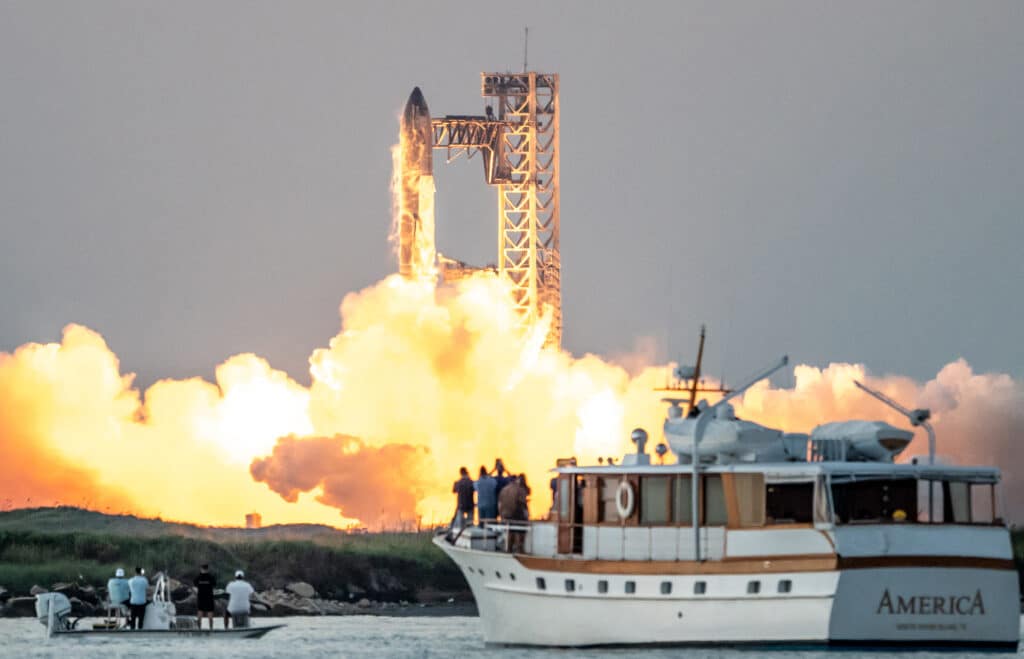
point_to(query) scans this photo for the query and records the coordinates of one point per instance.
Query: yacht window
(700, 588)
(570, 585)
(630, 587)
(878, 501)
(714, 501)
(564, 497)
(753, 587)
(602, 586)
(512, 576)
(958, 503)
(789, 503)
(540, 584)
(785, 586)
(497, 574)
(749, 489)
(983, 510)
(682, 498)
(608, 488)
(666, 587)
(654, 499)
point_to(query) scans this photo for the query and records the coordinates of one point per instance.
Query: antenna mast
(526, 45)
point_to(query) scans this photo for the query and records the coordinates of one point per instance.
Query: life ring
(625, 508)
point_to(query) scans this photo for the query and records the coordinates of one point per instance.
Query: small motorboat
(53, 610)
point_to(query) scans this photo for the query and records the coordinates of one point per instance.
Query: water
(355, 636)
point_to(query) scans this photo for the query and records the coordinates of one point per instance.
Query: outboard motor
(53, 610)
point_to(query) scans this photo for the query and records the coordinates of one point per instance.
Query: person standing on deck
(486, 496)
(204, 584)
(137, 586)
(239, 606)
(463, 489)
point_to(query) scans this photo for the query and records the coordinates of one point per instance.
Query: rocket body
(416, 251)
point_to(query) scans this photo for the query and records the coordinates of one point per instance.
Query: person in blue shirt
(486, 496)
(117, 592)
(137, 587)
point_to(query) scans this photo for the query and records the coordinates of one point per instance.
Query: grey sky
(839, 181)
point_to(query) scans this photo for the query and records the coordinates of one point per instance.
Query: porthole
(666, 587)
(540, 584)
(570, 585)
(700, 588)
(785, 586)
(630, 587)
(602, 586)
(753, 587)
(497, 574)
(512, 576)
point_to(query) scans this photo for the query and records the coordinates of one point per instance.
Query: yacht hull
(905, 606)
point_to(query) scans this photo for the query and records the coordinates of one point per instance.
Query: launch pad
(517, 139)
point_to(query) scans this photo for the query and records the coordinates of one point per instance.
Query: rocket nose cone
(416, 105)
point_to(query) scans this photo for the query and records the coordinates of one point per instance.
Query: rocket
(416, 252)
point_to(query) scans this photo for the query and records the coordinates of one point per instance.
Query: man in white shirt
(239, 592)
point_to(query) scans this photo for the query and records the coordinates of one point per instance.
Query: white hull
(872, 606)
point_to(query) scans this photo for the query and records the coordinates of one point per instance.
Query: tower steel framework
(519, 142)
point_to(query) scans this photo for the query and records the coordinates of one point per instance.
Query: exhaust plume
(376, 485)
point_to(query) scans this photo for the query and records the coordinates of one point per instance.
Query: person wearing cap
(117, 592)
(239, 591)
(137, 587)
(205, 584)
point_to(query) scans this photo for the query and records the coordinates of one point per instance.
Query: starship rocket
(416, 221)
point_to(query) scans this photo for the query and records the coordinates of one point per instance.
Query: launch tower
(518, 139)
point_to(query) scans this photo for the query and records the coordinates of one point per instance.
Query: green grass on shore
(46, 546)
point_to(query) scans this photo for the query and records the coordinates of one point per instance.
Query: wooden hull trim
(759, 565)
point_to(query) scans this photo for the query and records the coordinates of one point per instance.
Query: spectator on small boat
(486, 496)
(137, 587)
(205, 584)
(118, 593)
(239, 591)
(463, 489)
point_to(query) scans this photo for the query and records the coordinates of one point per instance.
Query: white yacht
(766, 538)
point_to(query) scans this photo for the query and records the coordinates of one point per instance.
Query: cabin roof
(807, 470)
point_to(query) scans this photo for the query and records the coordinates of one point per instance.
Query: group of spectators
(133, 595)
(498, 494)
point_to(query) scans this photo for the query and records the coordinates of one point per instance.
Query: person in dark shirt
(463, 488)
(204, 584)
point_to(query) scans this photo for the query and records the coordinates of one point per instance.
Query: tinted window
(714, 501)
(682, 496)
(654, 499)
(875, 501)
(789, 503)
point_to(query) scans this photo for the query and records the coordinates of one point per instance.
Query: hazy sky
(840, 181)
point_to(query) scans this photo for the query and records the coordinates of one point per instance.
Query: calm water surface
(353, 636)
